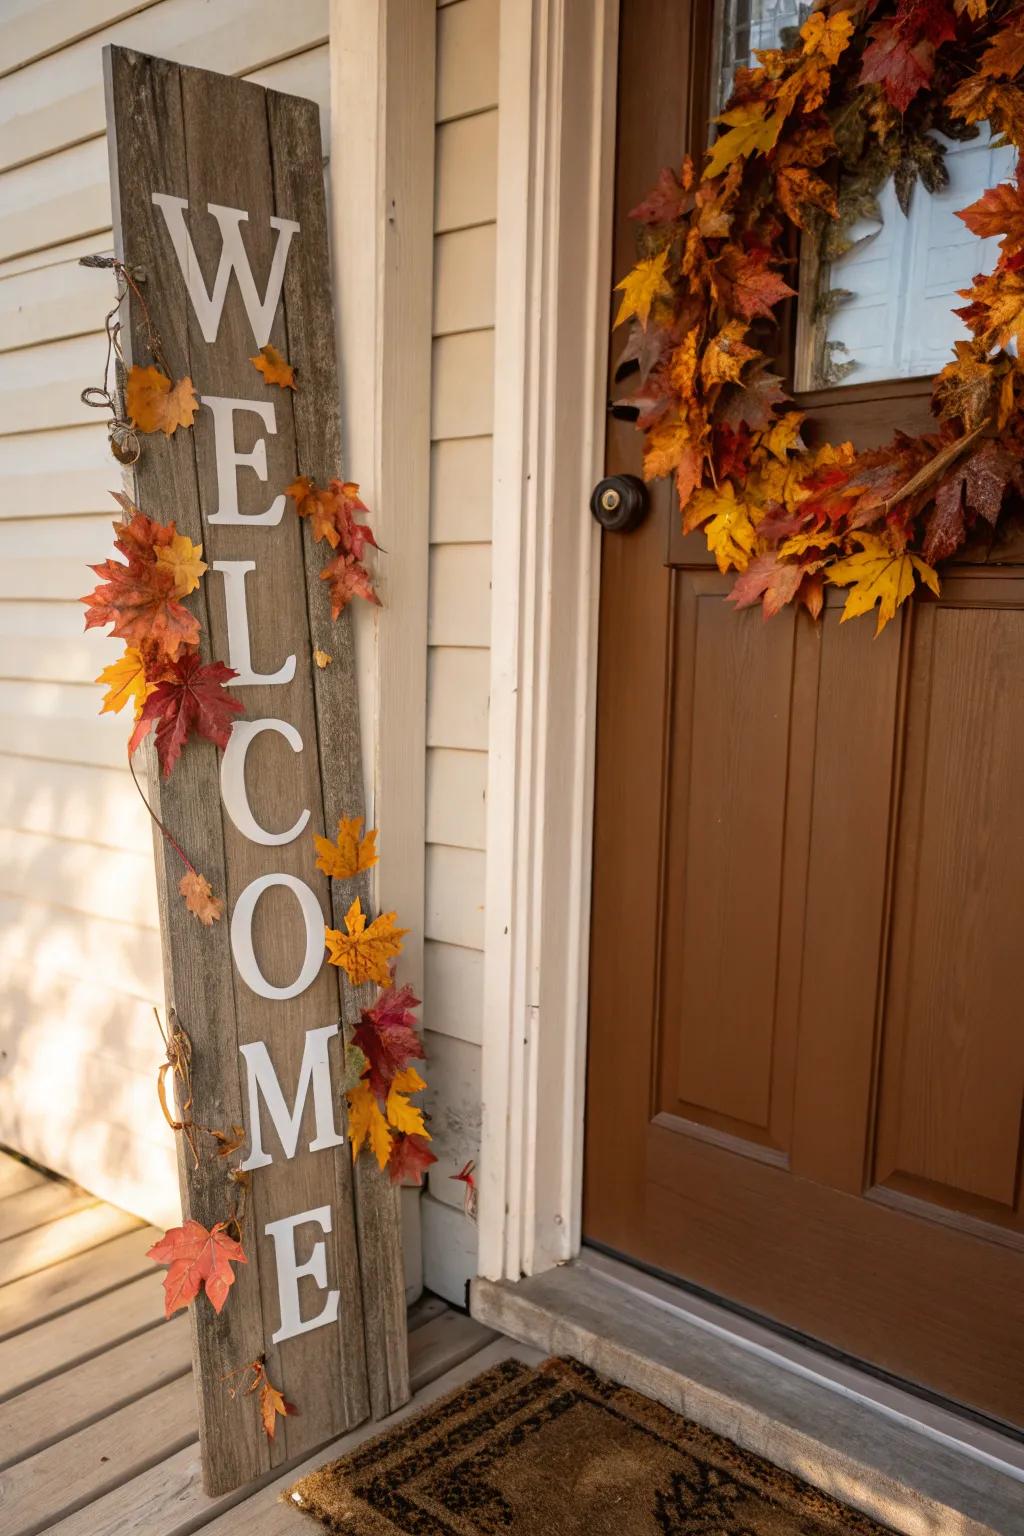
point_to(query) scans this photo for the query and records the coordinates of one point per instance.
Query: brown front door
(806, 1062)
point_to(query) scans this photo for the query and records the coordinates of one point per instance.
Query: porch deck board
(98, 1425)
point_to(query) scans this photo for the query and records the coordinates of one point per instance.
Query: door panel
(806, 1070)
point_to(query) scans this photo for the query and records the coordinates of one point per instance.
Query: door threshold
(912, 1465)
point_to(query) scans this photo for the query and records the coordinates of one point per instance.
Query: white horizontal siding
(59, 100)
(460, 490)
(79, 938)
(459, 617)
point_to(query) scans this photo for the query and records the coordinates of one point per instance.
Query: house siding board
(462, 420)
(78, 926)
(76, 901)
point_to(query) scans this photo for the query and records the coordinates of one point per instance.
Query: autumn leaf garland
(141, 596)
(385, 1043)
(806, 141)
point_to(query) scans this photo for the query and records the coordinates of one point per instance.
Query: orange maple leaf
(998, 211)
(349, 578)
(154, 404)
(199, 897)
(272, 1403)
(198, 1259)
(275, 368)
(351, 852)
(139, 601)
(363, 952)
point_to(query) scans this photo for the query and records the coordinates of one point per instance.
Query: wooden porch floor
(98, 1430)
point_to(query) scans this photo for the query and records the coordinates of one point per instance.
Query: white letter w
(209, 306)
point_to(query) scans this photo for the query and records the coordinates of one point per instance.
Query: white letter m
(315, 1071)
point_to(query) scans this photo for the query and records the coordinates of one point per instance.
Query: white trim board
(556, 92)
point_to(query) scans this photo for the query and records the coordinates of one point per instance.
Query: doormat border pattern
(363, 1493)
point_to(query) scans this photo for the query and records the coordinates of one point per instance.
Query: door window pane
(901, 278)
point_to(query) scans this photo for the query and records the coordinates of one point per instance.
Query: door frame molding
(556, 162)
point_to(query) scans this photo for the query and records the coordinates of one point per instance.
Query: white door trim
(557, 75)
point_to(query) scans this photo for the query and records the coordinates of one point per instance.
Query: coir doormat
(558, 1451)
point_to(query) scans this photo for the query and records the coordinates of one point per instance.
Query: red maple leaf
(353, 536)
(900, 66)
(746, 283)
(410, 1158)
(387, 1036)
(668, 200)
(198, 1259)
(930, 19)
(349, 578)
(193, 700)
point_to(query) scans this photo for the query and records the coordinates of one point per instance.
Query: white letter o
(241, 936)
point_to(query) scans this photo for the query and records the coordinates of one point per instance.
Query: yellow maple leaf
(784, 435)
(155, 404)
(729, 530)
(275, 368)
(350, 853)
(827, 35)
(403, 1115)
(725, 354)
(185, 560)
(199, 897)
(322, 658)
(878, 573)
(363, 952)
(750, 132)
(125, 680)
(641, 287)
(367, 1123)
(683, 370)
(408, 1081)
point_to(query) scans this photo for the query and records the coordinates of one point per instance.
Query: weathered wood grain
(30, 1252)
(212, 140)
(54, 1409)
(79, 1275)
(318, 441)
(37, 1492)
(64, 1341)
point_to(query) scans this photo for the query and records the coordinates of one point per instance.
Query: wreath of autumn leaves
(142, 596)
(807, 140)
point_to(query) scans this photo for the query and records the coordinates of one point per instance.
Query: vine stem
(935, 466)
(179, 850)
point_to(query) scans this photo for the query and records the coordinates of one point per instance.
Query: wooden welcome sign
(219, 213)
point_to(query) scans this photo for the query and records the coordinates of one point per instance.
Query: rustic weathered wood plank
(56, 1482)
(35, 1207)
(178, 124)
(55, 1409)
(319, 448)
(145, 116)
(64, 1341)
(88, 1272)
(16, 1176)
(169, 1497)
(61, 1239)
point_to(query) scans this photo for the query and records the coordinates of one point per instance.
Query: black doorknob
(620, 503)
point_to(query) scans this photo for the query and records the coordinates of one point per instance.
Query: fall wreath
(807, 140)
